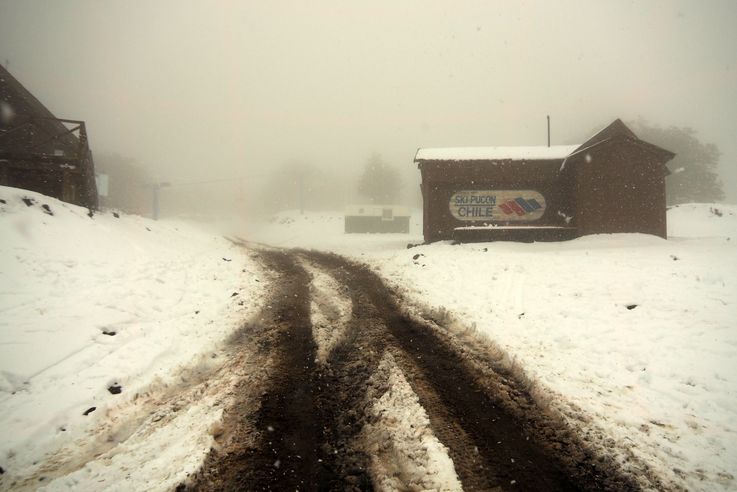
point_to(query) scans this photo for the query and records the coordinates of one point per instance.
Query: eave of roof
(37, 114)
(461, 154)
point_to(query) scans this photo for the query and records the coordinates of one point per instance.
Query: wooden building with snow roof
(613, 182)
(40, 152)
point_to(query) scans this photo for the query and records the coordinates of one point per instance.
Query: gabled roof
(18, 95)
(26, 108)
(617, 127)
(617, 130)
(535, 153)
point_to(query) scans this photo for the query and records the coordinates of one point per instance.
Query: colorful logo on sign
(520, 206)
(497, 205)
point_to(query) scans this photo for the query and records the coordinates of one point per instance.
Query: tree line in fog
(299, 185)
(295, 185)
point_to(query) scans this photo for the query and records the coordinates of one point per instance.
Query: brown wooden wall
(621, 189)
(618, 185)
(441, 179)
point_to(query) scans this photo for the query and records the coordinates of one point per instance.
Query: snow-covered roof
(554, 152)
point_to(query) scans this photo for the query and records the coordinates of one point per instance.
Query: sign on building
(497, 205)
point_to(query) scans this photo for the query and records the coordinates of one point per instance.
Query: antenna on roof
(548, 130)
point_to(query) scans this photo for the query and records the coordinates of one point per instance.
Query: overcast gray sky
(198, 90)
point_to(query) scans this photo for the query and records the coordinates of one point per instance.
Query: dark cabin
(613, 182)
(40, 152)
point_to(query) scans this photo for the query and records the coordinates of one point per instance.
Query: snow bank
(98, 309)
(633, 334)
(633, 330)
(702, 220)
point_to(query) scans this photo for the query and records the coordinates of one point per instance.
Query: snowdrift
(702, 220)
(97, 309)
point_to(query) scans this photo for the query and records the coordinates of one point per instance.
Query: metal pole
(548, 130)
(301, 194)
(156, 201)
(157, 187)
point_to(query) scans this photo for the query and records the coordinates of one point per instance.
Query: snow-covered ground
(330, 312)
(324, 231)
(98, 313)
(632, 336)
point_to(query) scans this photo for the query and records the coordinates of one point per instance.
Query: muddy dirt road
(362, 394)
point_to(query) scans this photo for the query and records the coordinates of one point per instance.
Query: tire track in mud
(279, 446)
(307, 434)
(498, 440)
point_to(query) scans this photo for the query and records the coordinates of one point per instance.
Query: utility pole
(301, 184)
(548, 130)
(157, 187)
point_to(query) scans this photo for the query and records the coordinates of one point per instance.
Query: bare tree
(300, 186)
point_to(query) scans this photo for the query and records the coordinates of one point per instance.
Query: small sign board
(102, 181)
(497, 205)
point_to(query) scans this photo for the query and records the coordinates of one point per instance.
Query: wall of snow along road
(92, 303)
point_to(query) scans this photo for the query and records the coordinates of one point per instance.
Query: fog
(230, 92)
